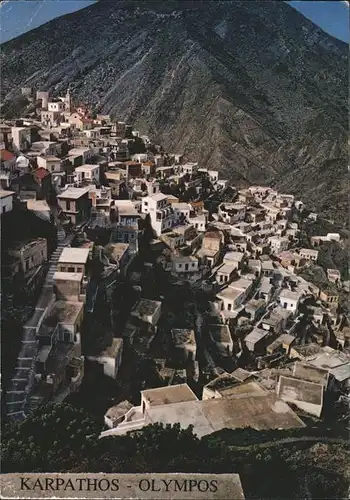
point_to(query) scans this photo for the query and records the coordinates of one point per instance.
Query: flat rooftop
(77, 151)
(116, 250)
(118, 410)
(230, 293)
(235, 256)
(157, 196)
(241, 374)
(86, 168)
(74, 256)
(20, 245)
(38, 205)
(310, 373)
(293, 389)
(288, 294)
(240, 389)
(64, 312)
(227, 269)
(169, 395)
(258, 412)
(183, 337)
(62, 276)
(146, 307)
(6, 194)
(255, 335)
(73, 193)
(181, 206)
(241, 284)
(223, 381)
(328, 358)
(126, 207)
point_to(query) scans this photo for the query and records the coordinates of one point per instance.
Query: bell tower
(67, 101)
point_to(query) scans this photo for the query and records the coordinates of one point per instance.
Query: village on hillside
(149, 289)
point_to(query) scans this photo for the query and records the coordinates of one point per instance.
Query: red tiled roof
(40, 173)
(6, 155)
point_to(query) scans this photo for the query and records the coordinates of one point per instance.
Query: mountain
(258, 93)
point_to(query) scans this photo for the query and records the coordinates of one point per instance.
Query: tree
(137, 146)
(53, 438)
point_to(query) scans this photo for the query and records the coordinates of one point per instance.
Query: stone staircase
(17, 398)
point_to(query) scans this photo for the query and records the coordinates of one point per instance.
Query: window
(186, 267)
(145, 203)
(71, 269)
(3, 210)
(229, 307)
(180, 265)
(68, 205)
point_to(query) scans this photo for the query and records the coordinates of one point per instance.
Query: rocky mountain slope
(260, 93)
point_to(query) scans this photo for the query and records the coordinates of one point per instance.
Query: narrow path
(304, 439)
(24, 373)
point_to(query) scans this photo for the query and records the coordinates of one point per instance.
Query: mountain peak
(258, 93)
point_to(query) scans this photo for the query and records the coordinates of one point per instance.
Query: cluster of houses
(240, 247)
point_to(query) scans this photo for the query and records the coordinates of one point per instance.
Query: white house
(255, 340)
(278, 244)
(184, 341)
(235, 258)
(308, 396)
(6, 201)
(230, 298)
(333, 237)
(21, 137)
(50, 163)
(232, 212)
(93, 133)
(199, 222)
(87, 172)
(111, 358)
(189, 168)
(289, 300)
(235, 294)
(225, 273)
(160, 211)
(56, 106)
(185, 265)
(140, 157)
(308, 254)
(85, 153)
(126, 229)
(181, 211)
(213, 175)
